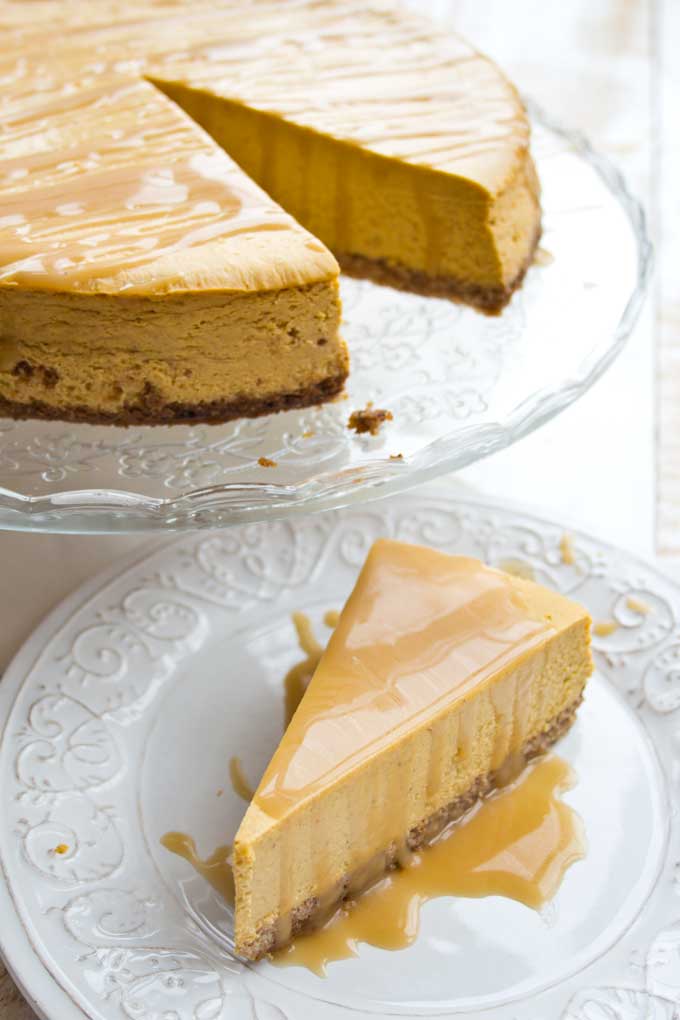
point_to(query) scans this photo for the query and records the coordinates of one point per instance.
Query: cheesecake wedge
(441, 679)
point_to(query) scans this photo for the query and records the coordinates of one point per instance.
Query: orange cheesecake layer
(439, 672)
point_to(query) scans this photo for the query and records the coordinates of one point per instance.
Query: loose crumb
(368, 420)
(638, 606)
(567, 549)
(605, 627)
(308, 434)
(220, 792)
(61, 848)
(266, 462)
(396, 456)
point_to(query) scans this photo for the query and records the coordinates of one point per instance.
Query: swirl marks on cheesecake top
(369, 75)
(105, 182)
(101, 175)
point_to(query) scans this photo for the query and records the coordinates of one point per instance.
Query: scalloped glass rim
(106, 509)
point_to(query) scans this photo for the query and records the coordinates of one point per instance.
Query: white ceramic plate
(121, 712)
(460, 385)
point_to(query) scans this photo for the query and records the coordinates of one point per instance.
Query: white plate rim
(43, 991)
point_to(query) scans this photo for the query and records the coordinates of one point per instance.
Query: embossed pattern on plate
(460, 385)
(120, 714)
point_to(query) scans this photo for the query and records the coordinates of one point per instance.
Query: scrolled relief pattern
(111, 659)
(90, 835)
(65, 747)
(117, 664)
(254, 563)
(122, 939)
(663, 963)
(619, 1004)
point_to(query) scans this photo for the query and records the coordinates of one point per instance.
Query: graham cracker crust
(306, 915)
(490, 300)
(151, 409)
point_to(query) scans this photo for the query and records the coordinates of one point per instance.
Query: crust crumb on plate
(370, 419)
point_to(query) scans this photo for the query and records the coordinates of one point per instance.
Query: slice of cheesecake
(442, 678)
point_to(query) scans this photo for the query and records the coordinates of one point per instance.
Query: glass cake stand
(459, 385)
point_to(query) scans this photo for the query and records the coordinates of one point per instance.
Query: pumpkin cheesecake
(442, 677)
(175, 176)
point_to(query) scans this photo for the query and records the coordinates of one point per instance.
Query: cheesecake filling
(440, 671)
(452, 238)
(317, 910)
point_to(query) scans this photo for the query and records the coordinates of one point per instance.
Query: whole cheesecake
(442, 677)
(148, 270)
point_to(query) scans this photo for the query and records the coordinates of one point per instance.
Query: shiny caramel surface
(518, 843)
(106, 186)
(215, 868)
(369, 74)
(420, 632)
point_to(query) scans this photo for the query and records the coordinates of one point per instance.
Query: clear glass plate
(460, 385)
(117, 722)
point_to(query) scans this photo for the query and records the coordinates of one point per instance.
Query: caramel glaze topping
(399, 659)
(100, 174)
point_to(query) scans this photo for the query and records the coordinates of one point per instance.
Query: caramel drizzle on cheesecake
(113, 177)
(378, 678)
(517, 843)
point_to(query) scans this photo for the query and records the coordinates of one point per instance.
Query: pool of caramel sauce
(517, 843)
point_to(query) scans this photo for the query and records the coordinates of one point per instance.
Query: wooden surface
(12, 1005)
(610, 68)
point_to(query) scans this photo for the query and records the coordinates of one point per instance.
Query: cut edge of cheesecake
(503, 244)
(265, 845)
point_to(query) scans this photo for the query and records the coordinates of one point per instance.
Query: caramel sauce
(638, 606)
(87, 140)
(138, 215)
(239, 783)
(393, 659)
(215, 869)
(603, 628)
(297, 678)
(567, 549)
(518, 843)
